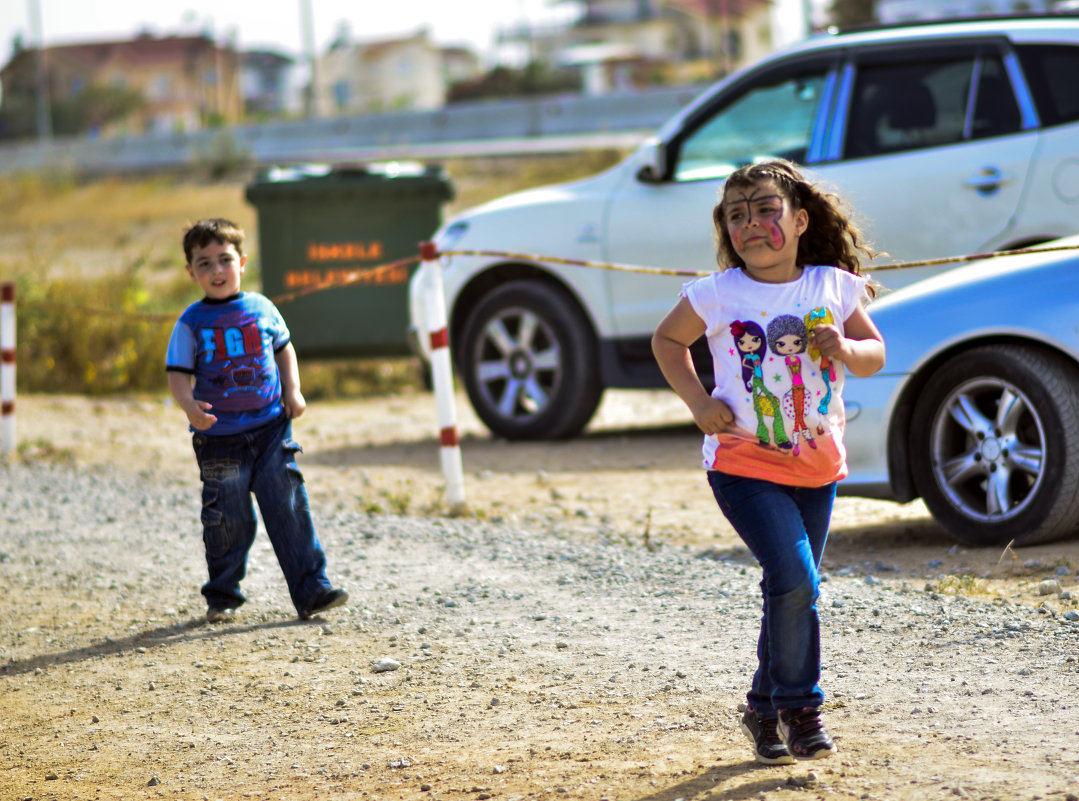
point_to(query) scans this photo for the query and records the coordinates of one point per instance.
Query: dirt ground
(951, 672)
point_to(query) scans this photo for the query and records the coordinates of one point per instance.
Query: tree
(533, 80)
(852, 13)
(94, 107)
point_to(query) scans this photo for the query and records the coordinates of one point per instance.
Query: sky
(274, 23)
(278, 23)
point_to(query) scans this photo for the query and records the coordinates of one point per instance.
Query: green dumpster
(320, 226)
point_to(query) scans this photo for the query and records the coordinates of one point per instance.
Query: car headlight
(453, 234)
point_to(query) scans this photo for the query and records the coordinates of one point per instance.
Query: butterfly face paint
(754, 217)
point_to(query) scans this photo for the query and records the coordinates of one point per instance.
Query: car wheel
(529, 362)
(995, 446)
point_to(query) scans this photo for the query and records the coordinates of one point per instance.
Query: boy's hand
(198, 415)
(295, 405)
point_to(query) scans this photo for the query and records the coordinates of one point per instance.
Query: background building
(143, 85)
(624, 43)
(387, 75)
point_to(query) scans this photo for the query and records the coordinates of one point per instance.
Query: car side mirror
(652, 156)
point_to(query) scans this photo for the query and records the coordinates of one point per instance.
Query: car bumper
(869, 403)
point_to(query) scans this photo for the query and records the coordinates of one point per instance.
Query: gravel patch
(475, 655)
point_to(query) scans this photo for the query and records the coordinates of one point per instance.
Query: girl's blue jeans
(263, 462)
(785, 528)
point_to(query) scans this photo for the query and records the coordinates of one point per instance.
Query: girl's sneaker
(804, 734)
(767, 746)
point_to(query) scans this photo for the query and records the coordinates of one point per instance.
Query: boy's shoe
(767, 746)
(328, 600)
(215, 614)
(804, 733)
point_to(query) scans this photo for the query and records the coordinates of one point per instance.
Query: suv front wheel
(528, 359)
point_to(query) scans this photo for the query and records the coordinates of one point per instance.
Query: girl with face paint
(788, 256)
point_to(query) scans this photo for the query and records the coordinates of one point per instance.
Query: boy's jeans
(262, 461)
(786, 529)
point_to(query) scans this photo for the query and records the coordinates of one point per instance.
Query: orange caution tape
(430, 254)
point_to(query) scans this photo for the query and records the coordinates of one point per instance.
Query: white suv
(946, 139)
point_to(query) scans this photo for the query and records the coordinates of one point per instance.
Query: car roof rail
(923, 23)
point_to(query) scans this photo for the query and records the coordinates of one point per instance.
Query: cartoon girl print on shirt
(750, 343)
(787, 337)
(821, 316)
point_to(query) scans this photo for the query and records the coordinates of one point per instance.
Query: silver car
(977, 408)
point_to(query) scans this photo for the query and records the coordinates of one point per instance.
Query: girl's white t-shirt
(785, 395)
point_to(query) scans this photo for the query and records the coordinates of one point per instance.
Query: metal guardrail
(555, 124)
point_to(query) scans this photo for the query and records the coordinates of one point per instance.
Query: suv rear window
(1051, 72)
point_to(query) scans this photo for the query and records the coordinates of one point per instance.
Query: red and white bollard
(7, 368)
(442, 378)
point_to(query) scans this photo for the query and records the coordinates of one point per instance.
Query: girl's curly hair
(830, 239)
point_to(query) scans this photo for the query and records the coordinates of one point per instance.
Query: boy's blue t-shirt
(229, 346)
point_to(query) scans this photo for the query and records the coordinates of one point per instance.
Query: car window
(771, 119)
(903, 106)
(1051, 72)
(995, 111)
(908, 105)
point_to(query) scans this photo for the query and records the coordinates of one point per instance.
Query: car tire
(995, 446)
(529, 363)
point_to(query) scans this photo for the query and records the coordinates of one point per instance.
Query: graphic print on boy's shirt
(240, 351)
(236, 361)
(229, 347)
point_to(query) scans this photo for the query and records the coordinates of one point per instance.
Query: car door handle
(988, 180)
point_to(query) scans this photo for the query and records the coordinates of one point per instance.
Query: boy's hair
(213, 229)
(830, 239)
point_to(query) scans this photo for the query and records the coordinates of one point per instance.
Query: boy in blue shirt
(233, 370)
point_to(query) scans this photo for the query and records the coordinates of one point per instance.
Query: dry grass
(100, 272)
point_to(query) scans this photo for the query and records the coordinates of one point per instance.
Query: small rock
(385, 665)
(1049, 587)
(154, 782)
(1072, 615)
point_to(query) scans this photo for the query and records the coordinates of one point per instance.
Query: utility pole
(307, 26)
(41, 82)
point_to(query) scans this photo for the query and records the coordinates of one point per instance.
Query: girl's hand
(828, 340)
(862, 351)
(712, 416)
(198, 415)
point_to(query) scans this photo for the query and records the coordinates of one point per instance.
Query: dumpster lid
(384, 169)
